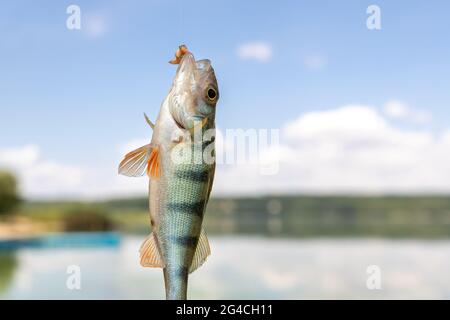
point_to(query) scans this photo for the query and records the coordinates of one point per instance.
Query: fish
(180, 163)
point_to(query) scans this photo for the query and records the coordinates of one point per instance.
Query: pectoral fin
(201, 253)
(149, 252)
(135, 162)
(141, 160)
(153, 168)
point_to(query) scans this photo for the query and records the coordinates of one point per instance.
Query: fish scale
(180, 227)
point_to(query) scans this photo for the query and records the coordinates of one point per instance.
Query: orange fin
(135, 162)
(150, 256)
(153, 167)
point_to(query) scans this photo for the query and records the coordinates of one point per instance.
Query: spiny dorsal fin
(201, 253)
(135, 162)
(150, 123)
(150, 257)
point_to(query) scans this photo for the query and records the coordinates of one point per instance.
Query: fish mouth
(187, 64)
(191, 79)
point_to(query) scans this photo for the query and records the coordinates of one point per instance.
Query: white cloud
(349, 121)
(132, 145)
(260, 51)
(104, 182)
(315, 62)
(40, 177)
(446, 138)
(401, 111)
(352, 149)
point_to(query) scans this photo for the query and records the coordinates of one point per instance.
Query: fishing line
(181, 21)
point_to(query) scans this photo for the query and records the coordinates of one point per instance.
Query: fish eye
(211, 94)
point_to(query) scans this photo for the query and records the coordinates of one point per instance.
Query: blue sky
(79, 95)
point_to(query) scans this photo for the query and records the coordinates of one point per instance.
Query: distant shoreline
(426, 216)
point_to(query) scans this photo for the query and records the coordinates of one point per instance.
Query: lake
(240, 267)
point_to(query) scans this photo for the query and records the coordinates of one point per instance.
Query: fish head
(194, 93)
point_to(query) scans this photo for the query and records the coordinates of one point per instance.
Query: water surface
(239, 268)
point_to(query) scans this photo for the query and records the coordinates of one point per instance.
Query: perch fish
(180, 178)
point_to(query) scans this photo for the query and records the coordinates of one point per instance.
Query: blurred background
(358, 91)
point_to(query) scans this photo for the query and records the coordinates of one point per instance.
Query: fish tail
(176, 280)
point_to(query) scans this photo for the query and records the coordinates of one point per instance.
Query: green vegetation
(9, 198)
(305, 216)
(87, 219)
(292, 216)
(8, 265)
(70, 216)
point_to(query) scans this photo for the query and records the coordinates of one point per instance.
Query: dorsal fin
(150, 123)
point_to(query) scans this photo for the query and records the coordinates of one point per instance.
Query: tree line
(9, 197)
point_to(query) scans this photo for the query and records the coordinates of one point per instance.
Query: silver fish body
(181, 176)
